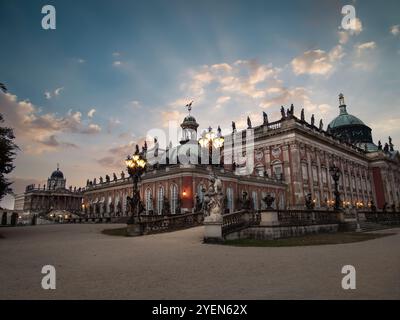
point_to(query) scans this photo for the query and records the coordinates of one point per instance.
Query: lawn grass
(309, 240)
(121, 232)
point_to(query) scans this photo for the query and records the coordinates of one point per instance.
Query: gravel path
(178, 265)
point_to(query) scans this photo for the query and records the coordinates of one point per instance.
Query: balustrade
(154, 224)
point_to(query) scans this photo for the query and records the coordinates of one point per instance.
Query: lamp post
(335, 173)
(210, 139)
(136, 165)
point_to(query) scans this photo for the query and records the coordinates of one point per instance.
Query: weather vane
(189, 106)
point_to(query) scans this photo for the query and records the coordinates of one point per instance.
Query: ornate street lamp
(335, 173)
(136, 165)
(210, 139)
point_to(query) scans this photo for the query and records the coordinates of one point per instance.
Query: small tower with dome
(189, 127)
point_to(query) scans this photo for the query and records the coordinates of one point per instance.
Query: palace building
(171, 187)
(54, 196)
(292, 159)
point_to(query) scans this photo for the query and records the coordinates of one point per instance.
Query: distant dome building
(351, 129)
(44, 199)
(56, 180)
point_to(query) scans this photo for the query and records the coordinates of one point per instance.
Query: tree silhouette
(7, 154)
(3, 87)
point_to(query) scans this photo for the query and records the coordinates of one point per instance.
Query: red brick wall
(378, 183)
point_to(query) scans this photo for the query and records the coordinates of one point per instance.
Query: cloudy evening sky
(83, 94)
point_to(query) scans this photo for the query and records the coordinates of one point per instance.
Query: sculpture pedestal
(134, 229)
(340, 216)
(269, 218)
(213, 228)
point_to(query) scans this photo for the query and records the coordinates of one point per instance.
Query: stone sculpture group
(213, 205)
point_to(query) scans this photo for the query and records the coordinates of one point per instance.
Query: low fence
(382, 217)
(270, 224)
(239, 220)
(288, 218)
(285, 223)
(154, 224)
(89, 220)
(285, 218)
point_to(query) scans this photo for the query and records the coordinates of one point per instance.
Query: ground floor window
(160, 200)
(255, 200)
(149, 201)
(229, 197)
(200, 192)
(174, 198)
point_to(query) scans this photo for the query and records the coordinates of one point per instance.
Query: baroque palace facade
(53, 196)
(291, 159)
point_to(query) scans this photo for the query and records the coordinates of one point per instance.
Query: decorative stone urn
(268, 200)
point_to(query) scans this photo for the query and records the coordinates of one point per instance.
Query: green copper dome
(351, 129)
(344, 119)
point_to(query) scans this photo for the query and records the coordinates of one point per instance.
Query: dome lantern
(342, 105)
(189, 127)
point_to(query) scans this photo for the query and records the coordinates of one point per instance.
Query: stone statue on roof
(248, 123)
(391, 146)
(265, 118)
(282, 112)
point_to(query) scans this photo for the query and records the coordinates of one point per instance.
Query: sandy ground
(178, 265)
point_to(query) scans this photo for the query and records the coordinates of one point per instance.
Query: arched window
(96, 207)
(282, 204)
(149, 201)
(255, 200)
(124, 209)
(229, 197)
(101, 205)
(174, 198)
(160, 199)
(315, 173)
(324, 175)
(304, 171)
(109, 204)
(260, 170)
(116, 209)
(277, 170)
(317, 199)
(325, 200)
(200, 192)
